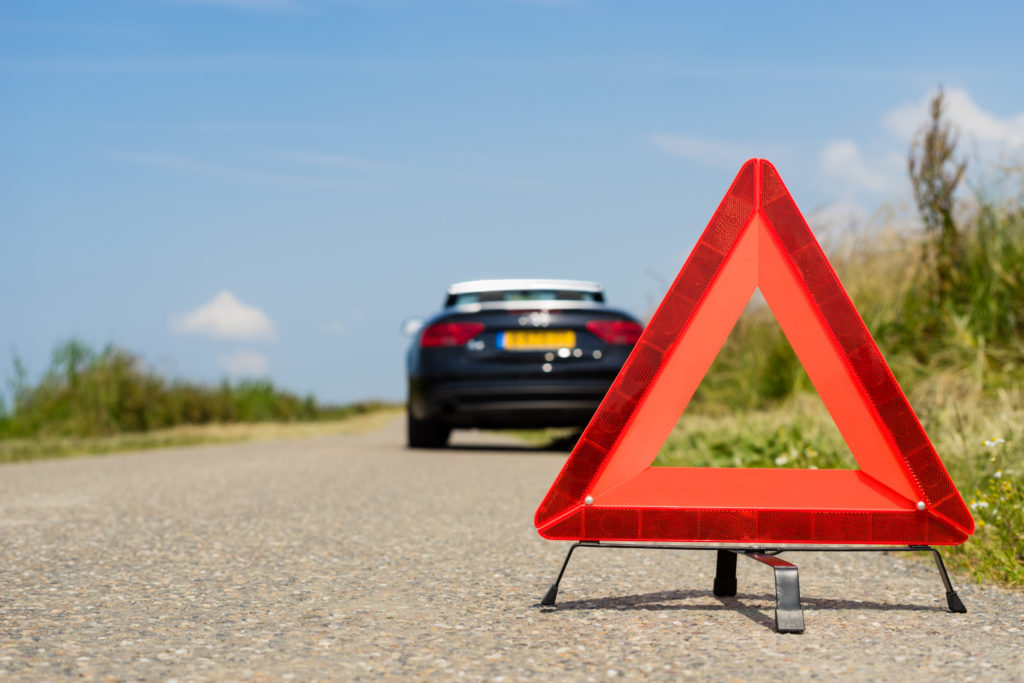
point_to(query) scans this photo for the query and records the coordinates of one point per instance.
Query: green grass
(91, 401)
(799, 435)
(86, 392)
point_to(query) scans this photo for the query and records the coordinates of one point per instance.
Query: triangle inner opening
(756, 407)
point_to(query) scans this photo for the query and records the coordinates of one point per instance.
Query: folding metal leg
(725, 574)
(952, 599)
(552, 594)
(789, 616)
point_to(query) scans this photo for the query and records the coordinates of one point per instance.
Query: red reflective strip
(688, 525)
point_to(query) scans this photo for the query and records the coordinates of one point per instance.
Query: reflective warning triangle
(608, 489)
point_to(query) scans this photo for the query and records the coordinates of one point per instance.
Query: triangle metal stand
(789, 615)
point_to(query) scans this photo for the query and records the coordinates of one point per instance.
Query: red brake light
(616, 331)
(450, 334)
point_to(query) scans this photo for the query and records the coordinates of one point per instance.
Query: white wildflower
(993, 442)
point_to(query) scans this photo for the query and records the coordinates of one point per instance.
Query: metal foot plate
(789, 616)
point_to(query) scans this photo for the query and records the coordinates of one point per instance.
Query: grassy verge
(981, 444)
(13, 450)
(89, 393)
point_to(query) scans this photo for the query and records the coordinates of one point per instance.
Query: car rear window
(523, 295)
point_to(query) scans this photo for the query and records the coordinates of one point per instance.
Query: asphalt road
(349, 557)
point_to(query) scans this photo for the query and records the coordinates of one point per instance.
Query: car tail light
(450, 334)
(616, 331)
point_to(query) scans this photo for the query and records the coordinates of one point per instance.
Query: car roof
(522, 283)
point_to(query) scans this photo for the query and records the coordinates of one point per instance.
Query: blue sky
(269, 187)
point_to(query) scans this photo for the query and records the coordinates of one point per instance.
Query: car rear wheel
(426, 433)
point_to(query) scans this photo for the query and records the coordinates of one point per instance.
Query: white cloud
(841, 216)
(243, 362)
(849, 172)
(973, 122)
(225, 317)
(843, 163)
(904, 121)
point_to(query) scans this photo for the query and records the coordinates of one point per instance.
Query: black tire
(426, 433)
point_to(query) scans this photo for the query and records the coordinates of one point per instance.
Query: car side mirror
(411, 326)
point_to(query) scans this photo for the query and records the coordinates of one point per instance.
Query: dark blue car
(514, 354)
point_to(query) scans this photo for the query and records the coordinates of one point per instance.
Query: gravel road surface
(348, 557)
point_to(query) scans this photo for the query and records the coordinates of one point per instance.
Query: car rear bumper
(518, 404)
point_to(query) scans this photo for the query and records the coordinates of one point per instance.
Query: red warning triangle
(608, 489)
